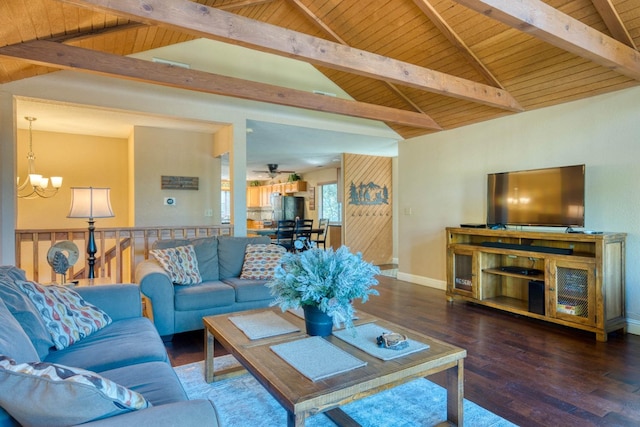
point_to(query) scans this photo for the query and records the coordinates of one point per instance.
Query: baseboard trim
(423, 281)
(633, 326)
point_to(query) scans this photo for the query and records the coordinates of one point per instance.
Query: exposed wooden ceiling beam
(77, 37)
(241, 3)
(614, 23)
(327, 30)
(313, 17)
(437, 19)
(558, 29)
(204, 21)
(66, 57)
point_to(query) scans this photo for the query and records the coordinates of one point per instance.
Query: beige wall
(159, 152)
(82, 161)
(132, 169)
(443, 177)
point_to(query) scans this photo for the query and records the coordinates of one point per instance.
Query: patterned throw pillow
(46, 394)
(260, 261)
(180, 263)
(67, 316)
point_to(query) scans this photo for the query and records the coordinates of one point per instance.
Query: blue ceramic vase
(318, 323)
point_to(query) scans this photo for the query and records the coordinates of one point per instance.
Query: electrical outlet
(170, 201)
(208, 212)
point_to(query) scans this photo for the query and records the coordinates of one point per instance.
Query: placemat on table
(316, 358)
(365, 339)
(262, 325)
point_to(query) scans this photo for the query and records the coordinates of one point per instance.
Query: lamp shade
(89, 202)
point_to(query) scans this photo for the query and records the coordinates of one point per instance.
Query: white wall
(443, 177)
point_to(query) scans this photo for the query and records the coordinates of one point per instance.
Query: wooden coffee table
(302, 397)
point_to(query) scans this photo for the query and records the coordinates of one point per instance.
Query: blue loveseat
(128, 351)
(180, 308)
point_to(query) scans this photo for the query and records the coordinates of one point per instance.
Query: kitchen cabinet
(253, 197)
(260, 196)
(294, 187)
(265, 195)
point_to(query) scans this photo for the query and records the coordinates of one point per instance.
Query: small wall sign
(179, 182)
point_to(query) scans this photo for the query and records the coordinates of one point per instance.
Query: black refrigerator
(287, 207)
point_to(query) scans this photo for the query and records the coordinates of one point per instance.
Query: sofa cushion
(180, 263)
(67, 316)
(156, 381)
(24, 310)
(44, 394)
(231, 253)
(249, 290)
(122, 343)
(203, 295)
(206, 249)
(260, 261)
(14, 342)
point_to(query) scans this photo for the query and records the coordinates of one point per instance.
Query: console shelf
(581, 284)
(506, 273)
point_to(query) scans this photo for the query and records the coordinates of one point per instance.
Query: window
(330, 206)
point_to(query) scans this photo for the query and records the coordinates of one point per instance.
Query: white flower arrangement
(327, 279)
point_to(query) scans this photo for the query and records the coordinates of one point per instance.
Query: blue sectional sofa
(128, 351)
(180, 308)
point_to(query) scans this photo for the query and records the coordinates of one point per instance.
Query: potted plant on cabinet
(324, 283)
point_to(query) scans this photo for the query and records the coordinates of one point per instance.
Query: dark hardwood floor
(527, 371)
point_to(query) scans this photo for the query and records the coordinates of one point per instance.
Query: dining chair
(303, 229)
(284, 234)
(321, 236)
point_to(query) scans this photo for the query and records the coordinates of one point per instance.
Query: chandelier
(35, 185)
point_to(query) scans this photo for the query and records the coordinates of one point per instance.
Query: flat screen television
(539, 197)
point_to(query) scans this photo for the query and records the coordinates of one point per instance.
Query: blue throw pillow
(231, 253)
(67, 316)
(24, 311)
(206, 249)
(46, 394)
(14, 342)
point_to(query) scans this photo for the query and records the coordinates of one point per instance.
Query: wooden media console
(572, 279)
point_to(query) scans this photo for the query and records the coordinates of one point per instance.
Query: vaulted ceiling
(418, 65)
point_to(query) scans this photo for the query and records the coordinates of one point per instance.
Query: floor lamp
(89, 202)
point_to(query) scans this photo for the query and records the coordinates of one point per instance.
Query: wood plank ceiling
(419, 65)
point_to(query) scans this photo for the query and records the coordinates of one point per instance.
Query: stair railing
(119, 249)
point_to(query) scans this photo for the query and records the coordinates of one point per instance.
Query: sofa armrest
(156, 285)
(187, 413)
(118, 301)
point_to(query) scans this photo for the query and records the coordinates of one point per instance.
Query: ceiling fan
(273, 170)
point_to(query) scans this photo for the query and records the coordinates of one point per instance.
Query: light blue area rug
(243, 402)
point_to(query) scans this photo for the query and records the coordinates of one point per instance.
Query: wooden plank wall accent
(368, 228)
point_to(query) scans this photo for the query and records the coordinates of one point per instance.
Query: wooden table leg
(209, 342)
(455, 393)
(210, 374)
(295, 420)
